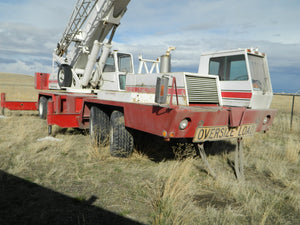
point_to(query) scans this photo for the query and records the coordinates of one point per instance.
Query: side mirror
(161, 91)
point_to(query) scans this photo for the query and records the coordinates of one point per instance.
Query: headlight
(183, 124)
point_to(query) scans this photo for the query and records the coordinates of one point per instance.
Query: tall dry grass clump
(292, 150)
(170, 195)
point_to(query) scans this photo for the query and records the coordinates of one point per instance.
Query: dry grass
(18, 87)
(155, 186)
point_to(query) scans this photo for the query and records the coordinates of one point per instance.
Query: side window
(214, 68)
(109, 64)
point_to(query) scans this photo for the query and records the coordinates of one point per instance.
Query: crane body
(229, 97)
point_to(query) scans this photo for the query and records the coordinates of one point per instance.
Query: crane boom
(79, 15)
(78, 50)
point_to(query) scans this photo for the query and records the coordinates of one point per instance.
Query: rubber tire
(121, 140)
(43, 107)
(99, 127)
(64, 76)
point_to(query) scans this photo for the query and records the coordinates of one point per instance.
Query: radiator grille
(202, 89)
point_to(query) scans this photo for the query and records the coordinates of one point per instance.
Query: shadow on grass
(154, 147)
(218, 147)
(158, 150)
(70, 131)
(23, 202)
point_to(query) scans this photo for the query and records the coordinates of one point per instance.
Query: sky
(30, 30)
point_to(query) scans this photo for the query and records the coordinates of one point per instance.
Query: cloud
(30, 29)
(25, 39)
(25, 48)
(7, 61)
(22, 67)
(41, 14)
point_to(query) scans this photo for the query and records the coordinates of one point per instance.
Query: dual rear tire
(111, 130)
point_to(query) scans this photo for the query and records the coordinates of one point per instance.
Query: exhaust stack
(165, 61)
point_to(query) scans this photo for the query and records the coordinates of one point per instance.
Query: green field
(69, 181)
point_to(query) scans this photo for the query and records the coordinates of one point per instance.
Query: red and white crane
(228, 98)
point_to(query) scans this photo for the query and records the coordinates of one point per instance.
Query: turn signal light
(164, 133)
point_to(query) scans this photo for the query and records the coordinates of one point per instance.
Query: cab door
(234, 79)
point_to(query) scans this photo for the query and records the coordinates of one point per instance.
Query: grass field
(68, 181)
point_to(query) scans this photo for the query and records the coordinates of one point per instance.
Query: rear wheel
(43, 107)
(64, 76)
(121, 140)
(99, 126)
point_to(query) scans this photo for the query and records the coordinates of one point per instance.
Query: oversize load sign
(223, 132)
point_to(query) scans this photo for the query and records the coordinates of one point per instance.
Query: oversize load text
(224, 132)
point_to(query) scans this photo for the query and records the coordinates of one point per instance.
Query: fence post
(293, 105)
(292, 112)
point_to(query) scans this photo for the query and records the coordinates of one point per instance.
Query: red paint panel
(235, 116)
(20, 105)
(257, 116)
(65, 110)
(79, 104)
(61, 119)
(17, 105)
(227, 94)
(2, 99)
(155, 119)
(64, 120)
(41, 81)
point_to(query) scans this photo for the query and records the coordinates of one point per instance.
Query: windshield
(259, 73)
(229, 68)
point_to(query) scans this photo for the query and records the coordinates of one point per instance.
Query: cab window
(109, 64)
(124, 63)
(229, 68)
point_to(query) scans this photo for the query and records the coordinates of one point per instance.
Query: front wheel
(121, 140)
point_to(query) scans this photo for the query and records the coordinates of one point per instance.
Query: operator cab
(119, 62)
(117, 66)
(244, 77)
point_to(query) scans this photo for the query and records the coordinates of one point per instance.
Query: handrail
(174, 88)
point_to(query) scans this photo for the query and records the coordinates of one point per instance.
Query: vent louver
(202, 89)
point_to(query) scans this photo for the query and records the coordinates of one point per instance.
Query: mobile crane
(228, 98)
